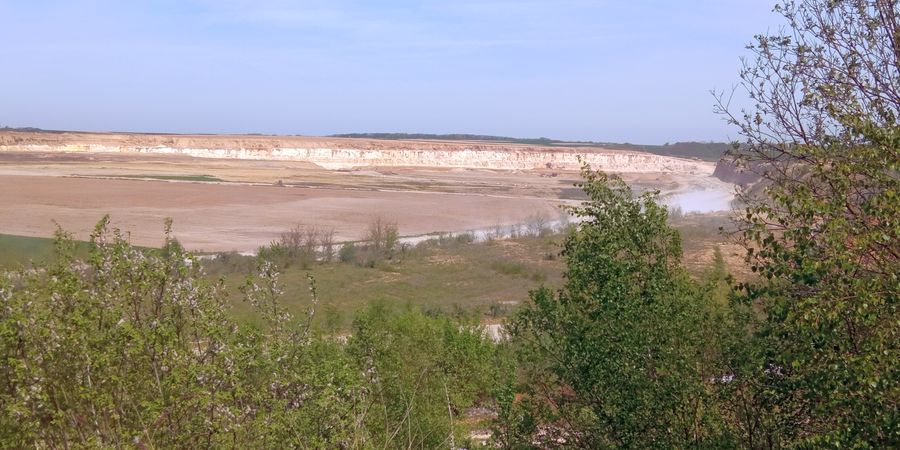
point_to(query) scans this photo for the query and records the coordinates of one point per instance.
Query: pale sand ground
(226, 216)
(38, 188)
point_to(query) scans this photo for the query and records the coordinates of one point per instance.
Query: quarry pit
(238, 192)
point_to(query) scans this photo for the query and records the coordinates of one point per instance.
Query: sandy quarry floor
(247, 209)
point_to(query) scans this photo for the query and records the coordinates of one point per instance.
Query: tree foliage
(423, 371)
(134, 348)
(825, 237)
(137, 348)
(625, 354)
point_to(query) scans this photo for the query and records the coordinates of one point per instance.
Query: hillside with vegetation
(105, 345)
(707, 151)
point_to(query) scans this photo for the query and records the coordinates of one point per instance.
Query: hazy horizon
(374, 134)
(605, 71)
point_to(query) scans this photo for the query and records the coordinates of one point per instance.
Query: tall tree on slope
(825, 237)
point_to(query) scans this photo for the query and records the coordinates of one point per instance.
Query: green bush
(621, 356)
(135, 348)
(347, 253)
(821, 227)
(424, 371)
(511, 268)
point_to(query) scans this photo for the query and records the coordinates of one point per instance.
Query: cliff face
(336, 153)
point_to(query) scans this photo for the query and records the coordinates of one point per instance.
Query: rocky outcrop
(730, 172)
(338, 153)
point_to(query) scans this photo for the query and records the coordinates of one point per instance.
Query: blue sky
(635, 71)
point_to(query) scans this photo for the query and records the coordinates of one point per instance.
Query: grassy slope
(471, 276)
(467, 277)
(18, 251)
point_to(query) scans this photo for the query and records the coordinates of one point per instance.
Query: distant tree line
(708, 151)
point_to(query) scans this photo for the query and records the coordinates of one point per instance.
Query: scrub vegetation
(105, 345)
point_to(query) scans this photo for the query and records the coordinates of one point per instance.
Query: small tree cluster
(537, 225)
(628, 352)
(136, 348)
(381, 242)
(382, 238)
(301, 244)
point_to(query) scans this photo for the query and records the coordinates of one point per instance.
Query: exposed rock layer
(338, 153)
(730, 172)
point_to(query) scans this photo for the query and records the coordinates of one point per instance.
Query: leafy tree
(423, 373)
(134, 348)
(382, 238)
(825, 237)
(620, 356)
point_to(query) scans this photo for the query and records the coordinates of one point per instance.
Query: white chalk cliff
(333, 153)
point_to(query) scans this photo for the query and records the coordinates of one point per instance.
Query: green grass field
(19, 251)
(488, 279)
(16, 251)
(485, 279)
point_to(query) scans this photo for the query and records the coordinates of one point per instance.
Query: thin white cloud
(419, 25)
(313, 15)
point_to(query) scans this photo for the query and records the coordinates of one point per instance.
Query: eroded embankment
(337, 153)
